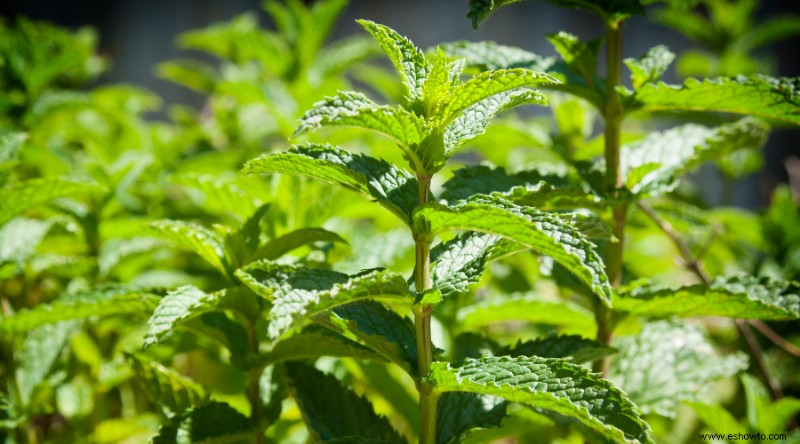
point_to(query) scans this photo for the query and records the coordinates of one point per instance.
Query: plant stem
(422, 326)
(254, 386)
(612, 115)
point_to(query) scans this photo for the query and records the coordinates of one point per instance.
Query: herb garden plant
(583, 291)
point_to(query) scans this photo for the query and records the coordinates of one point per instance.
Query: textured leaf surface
(487, 84)
(313, 342)
(542, 232)
(668, 363)
(580, 56)
(19, 238)
(459, 263)
(355, 109)
(408, 60)
(281, 245)
(393, 188)
(652, 164)
(371, 324)
(104, 301)
(175, 393)
(757, 95)
(573, 347)
(738, 296)
(649, 67)
(39, 352)
(177, 306)
(9, 147)
(198, 239)
(551, 384)
(489, 55)
(217, 423)
(18, 198)
(331, 411)
(458, 412)
(525, 308)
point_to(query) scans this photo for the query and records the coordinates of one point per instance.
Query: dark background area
(137, 34)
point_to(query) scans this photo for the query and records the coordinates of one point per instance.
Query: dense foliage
(229, 275)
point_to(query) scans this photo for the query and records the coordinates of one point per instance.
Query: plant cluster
(198, 280)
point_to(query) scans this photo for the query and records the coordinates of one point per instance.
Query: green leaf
(488, 84)
(525, 308)
(375, 179)
(609, 10)
(181, 305)
(651, 165)
(481, 179)
(102, 301)
(217, 423)
(315, 341)
(355, 109)
(649, 67)
(371, 324)
(331, 411)
(38, 355)
(341, 56)
(473, 120)
(550, 384)
(9, 147)
(18, 198)
(408, 60)
(715, 417)
(458, 412)
(772, 98)
(204, 242)
(580, 56)
(575, 348)
(19, 238)
(459, 263)
(190, 73)
(542, 232)
(489, 55)
(667, 363)
(173, 392)
(737, 296)
(218, 195)
(281, 245)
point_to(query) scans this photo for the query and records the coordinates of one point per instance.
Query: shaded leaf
(576, 348)
(525, 308)
(281, 245)
(207, 244)
(458, 412)
(313, 342)
(175, 393)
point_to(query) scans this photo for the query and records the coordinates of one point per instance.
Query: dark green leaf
(580, 56)
(217, 423)
(16, 199)
(459, 263)
(573, 347)
(313, 342)
(489, 55)
(457, 413)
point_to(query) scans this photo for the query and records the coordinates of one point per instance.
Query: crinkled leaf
(9, 147)
(458, 413)
(206, 243)
(103, 301)
(487, 84)
(525, 308)
(459, 263)
(649, 67)
(355, 109)
(738, 296)
(772, 98)
(331, 411)
(16, 199)
(542, 232)
(313, 342)
(481, 179)
(281, 245)
(473, 120)
(550, 384)
(763, 414)
(175, 393)
(19, 238)
(576, 348)
(38, 354)
(375, 179)
(217, 423)
(371, 324)
(408, 60)
(668, 363)
(578, 55)
(651, 165)
(489, 55)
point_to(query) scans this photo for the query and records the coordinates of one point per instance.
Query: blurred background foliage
(109, 167)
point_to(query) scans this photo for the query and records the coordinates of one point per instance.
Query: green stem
(254, 386)
(422, 326)
(612, 114)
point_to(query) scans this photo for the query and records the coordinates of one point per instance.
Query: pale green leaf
(371, 324)
(482, 179)
(193, 74)
(281, 245)
(489, 55)
(715, 417)
(473, 120)
(375, 179)
(202, 241)
(487, 84)
(459, 412)
(649, 67)
(408, 60)
(103, 301)
(542, 232)
(668, 363)
(580, 56)
(575, 348)
(331, 411)
(342, 55)
(771, 98)
(315, 341)
(737, 296)
(550, 384)
(355, 109)
(18, 198)
(527, 309)
(173, 392)
(19, 238)
(38, 354)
